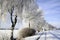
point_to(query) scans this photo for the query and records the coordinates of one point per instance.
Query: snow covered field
(48, 35)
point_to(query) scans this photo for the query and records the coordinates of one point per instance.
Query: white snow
(48, 35)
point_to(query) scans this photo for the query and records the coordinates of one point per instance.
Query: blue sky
(51, 10)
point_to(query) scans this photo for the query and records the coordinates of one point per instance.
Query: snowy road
(50, 35)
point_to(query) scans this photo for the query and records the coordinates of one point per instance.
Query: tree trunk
(13, 22)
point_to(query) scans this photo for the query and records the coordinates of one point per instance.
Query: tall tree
(12, 21)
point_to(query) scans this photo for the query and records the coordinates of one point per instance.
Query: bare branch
(15, 19)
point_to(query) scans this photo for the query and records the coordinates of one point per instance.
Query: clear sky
(51, 10)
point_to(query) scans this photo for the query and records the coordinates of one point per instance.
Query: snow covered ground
(48, 35)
